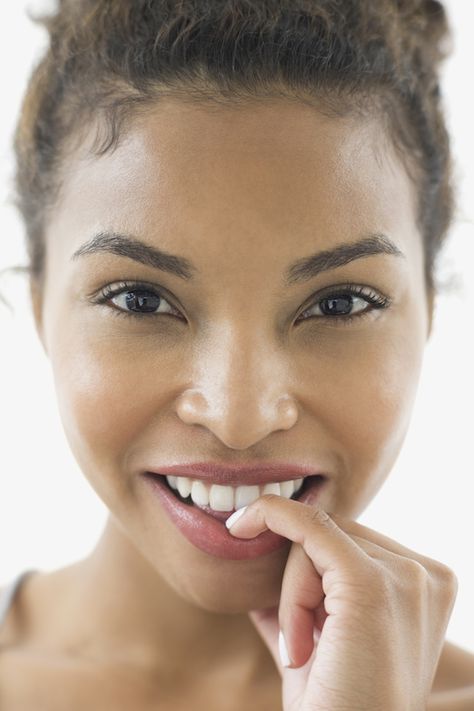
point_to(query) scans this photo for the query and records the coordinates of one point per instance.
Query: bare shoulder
(455, 668)
(7, 622)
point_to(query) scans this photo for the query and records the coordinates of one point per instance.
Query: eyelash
(110, 291)
(374, 300)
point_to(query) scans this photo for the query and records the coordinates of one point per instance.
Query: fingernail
(285, 659)
(235, 516)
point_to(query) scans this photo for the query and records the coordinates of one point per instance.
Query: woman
(233, 211)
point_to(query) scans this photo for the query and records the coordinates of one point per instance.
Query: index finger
(328, 546)
(324, 557)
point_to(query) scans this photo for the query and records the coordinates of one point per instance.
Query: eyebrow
(309, 267)
(131, 247)
(300, 271)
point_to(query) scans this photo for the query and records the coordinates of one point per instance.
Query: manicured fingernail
(235, 516)
(285, 659)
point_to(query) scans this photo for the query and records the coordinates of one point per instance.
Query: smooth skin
(235, 366)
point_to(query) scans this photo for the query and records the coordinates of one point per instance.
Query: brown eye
(141, 301)
(345, 304)
(341, 305)
(137, 300)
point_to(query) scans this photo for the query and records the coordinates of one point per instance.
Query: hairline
(114, 121)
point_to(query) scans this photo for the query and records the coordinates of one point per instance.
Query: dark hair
(112, 59)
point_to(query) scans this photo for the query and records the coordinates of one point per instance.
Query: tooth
(200, 493)
(298, 483)
(287, 488)
(172, 481)
(272, 488)
(221, 498)
(245, 495)
(184, 486)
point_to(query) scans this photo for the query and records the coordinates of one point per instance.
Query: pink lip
(209, 533)
(237, 474)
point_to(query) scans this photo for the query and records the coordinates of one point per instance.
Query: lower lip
(210, 534)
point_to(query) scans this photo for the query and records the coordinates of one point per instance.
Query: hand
(363, 617)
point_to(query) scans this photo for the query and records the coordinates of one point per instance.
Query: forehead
(198, 176)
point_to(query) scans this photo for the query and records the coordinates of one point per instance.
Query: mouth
(203, 525)
(221, 501)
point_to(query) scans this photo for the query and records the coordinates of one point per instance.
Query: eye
(136, 299)
(345, 303)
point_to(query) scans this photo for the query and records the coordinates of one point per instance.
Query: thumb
(267, 625)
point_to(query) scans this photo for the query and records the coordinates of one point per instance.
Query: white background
(49, 515)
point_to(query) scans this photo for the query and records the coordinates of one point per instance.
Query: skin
(241, 193)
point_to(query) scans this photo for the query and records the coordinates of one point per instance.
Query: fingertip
(235, 517)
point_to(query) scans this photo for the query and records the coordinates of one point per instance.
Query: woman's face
(238, 363)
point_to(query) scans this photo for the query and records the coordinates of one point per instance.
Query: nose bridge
(242, 360)
(241, 388)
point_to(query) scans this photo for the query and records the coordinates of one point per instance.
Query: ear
(36, 296)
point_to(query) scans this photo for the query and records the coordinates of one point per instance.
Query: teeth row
(228, 498)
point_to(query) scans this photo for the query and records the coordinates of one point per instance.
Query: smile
(229, 498)
(204, 526)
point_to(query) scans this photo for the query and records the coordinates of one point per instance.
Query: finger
(357, 529)
(301, 605)
(321, 550)
(353, 529)
(266, 622)
(327, 545)
(362, 533)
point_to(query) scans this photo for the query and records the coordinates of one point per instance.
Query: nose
(241, 394)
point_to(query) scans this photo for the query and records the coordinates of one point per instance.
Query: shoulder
(14, 610)
(455, 668)
(7, 616)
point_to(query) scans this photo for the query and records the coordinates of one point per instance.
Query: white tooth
(298, 483)
(200, 493)
(221, 498)
(172, 481)
(272, 488)
(245, 495)
(184, 486)
(287, 488)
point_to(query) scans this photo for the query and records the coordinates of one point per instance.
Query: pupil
(145, 304)
(338, 305)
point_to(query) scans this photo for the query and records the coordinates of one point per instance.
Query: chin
(233, 587)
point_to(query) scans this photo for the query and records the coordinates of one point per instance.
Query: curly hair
(112, 59)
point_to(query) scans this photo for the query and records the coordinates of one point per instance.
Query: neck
(115, 606)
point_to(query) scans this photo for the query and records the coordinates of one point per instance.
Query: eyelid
(375, 299)
(344, 287)
(113, 289)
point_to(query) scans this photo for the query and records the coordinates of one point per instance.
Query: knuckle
(435, 577)
(417, 572)
(318, 516)
(446, 579)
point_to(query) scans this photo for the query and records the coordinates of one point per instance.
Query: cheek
(109, 392)
(362, 393)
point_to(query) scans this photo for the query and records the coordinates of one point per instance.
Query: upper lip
(237, 474)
